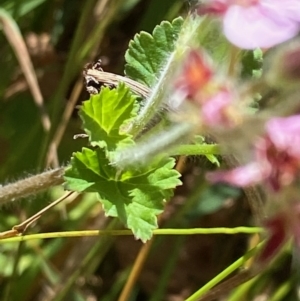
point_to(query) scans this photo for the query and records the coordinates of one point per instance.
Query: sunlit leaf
(135, 196)
(105, 115)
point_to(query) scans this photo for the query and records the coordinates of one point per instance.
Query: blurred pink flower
(198, 84)
(195, 74)
(249, 24)
(280, 227)
(276, 157)
(214, 111)
(277, 231)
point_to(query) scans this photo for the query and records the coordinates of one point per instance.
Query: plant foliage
(136, 196)
(147, 53)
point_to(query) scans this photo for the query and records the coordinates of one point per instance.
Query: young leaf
(147, 53)
(135, 196)
(213, 159)
(252, 62)
(105, 115)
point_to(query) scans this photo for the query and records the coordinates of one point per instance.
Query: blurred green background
(61, 36)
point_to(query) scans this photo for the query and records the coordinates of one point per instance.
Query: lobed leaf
(135, 196)
(148, 53)
(105, 116)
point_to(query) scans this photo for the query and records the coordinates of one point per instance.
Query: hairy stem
(145, 150)
(31, 185)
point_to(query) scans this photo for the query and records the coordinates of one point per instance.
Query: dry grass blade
(63, 124)
(67, 112)
(18, 45)
(15, 39)
(136, 271)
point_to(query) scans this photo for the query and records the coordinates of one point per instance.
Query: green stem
(282, 291)
(196, 149)
(12, 281)
(193, 231)
(229, 270)
(145, 150)
(97, 252)
(240, 292)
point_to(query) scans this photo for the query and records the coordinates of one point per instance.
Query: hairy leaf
(148, 53)
(105, 115)
(135, 196)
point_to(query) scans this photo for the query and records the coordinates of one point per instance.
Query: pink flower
(276, 157)
(249, 24)
(214, 111)
(199, 85)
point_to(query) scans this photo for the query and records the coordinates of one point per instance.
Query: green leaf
(252, 63)
(213, 159)
(148, 53)
(105, 116)
(135, 196)
(198, 139)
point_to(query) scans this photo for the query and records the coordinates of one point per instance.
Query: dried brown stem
(114, 79)
(68, 112)
(16, 40)
(18, 45)
(24, 225)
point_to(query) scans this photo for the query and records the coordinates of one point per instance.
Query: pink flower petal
(289, 9)
(285, 134)
(213, 110)
(258, 26)
(243, 176)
